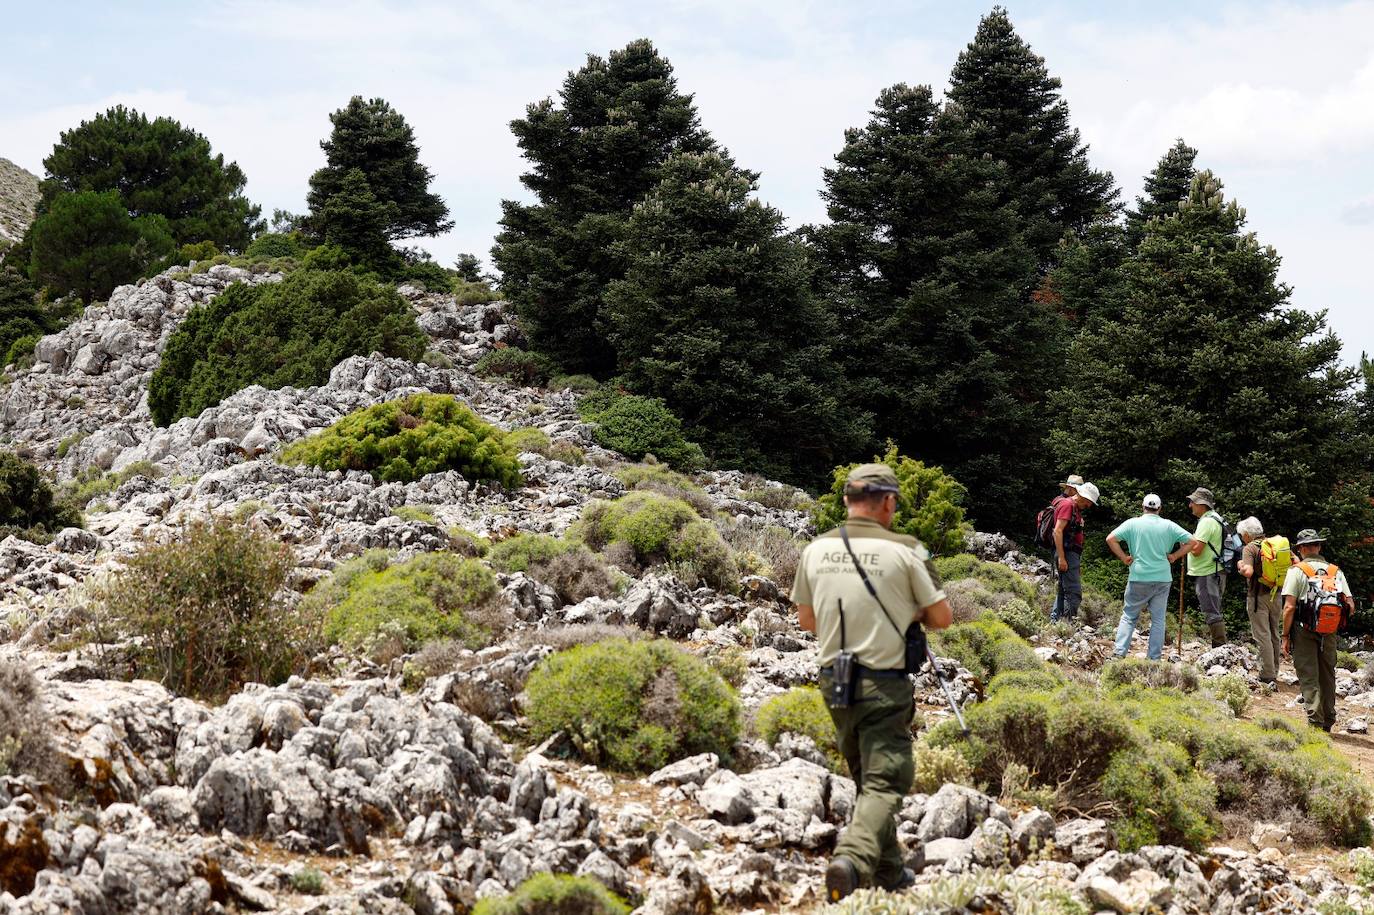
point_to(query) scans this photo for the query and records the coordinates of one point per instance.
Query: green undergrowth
(555, 894)
(966, 892)
(633, 706)
(801, 710)
(403, 440)
(986, 647)
(656, 530)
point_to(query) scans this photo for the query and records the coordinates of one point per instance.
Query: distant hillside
(18, 197)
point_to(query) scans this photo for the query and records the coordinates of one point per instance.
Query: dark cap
(871, 478)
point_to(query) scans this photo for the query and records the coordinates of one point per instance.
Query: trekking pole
(949, 697)
(1181, 581)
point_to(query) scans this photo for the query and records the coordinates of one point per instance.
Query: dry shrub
(562, 637)
(776, 550)
(26, 746)
(576, 575)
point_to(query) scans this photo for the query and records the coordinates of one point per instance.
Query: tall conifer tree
(1016, 115)
(592, 159)
(1165, 188)
(928, 275)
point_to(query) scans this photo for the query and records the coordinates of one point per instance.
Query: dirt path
(1358, 748)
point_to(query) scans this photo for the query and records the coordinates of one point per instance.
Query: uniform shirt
(1066, 509)
(896, 565)
(1209, 532)
(1295, 585)
(1150, 539)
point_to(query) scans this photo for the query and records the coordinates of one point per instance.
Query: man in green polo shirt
(1204, 562)
(874, 732)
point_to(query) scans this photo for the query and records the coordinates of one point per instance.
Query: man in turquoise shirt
(1154, 543)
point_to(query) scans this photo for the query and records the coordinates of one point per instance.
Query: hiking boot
(1218, 631)
(905, 881)
(1269, 684)
(841, 879)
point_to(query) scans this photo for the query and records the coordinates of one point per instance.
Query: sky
(1277, 97)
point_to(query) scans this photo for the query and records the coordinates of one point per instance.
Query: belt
(869, 672)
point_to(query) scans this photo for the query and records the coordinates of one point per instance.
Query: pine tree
(929, 276)
(87, 244)
(1165, 188)
(1208, 378)
(158, 167)
(1016, 115)
(716, 316)
(591, 160)
(373, 185)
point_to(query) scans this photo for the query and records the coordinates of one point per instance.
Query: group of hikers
(1296, 600)
(869, 593)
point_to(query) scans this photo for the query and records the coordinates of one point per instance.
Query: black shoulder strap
(873, 592)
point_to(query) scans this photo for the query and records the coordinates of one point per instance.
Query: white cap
(1089, 492)
(1152, 502)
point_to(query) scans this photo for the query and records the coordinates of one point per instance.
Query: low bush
(414, 513)
(987, 647)
(1232, 691)
(930, 506)
(777, 497)
(466, 543)
(278, 334)
(1022, 619)
(773, 552)
(1045, 678)
(91, 483)
(26, 746)
(937, 766)
(271, 245)
(578, 383)
(403, 440)
(996, 577)
(638, 426)
(576, 574)
(20, 351)
(550, 894)
(968, 892)
(205, 606)
(1347, 661)
(666, 482)
(659, 530)
(732, 664)
(28, 507)
(528, 439)
(468, 292)
(633, 706)
(1153, 674)
(386, 609)
(519, 553)
(516, 366)
(308, 881)
(801, 710)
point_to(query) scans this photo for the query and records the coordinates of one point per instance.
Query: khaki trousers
(1265, 609)
(1314, 657)
(874, 735)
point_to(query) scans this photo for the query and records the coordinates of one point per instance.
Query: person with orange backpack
(1317, 604)
(1264, 561)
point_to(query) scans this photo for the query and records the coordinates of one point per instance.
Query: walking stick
(1181, 581)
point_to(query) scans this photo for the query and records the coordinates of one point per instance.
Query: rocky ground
(18, 197)
(399, 799)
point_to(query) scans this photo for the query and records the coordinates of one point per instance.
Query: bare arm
(1290, 608)
(938, 615)
(1197, 546)
(1114, 545)
(1059, 528)
(806, 617)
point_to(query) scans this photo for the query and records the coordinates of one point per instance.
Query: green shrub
(467, 292)
(801, 710)
(406, 439)
(666, 482)
(1347, 661)
(1232, 691)
(91, 483)
(515, 365)
(271, 245)
(997, 577)
(308, 881)
(28, 507)
(519, 553)
(414, 513)
(401, 606)
(633, 706)
(205, 607)
(937, 766)
(929, 506)
(1023, 620)
(638, 426)
(732, 664)
(20, 352)
(1161, 799)
(578, 383)
(778, 497)
(772, 551)
(528, 439)
(1154, 674)
(987, 647)
(466, 543)
(1046, 679)
(970, 892)
(549, 894)
(278, 334)
(658, 529)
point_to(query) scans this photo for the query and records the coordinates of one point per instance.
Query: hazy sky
(1278, 98)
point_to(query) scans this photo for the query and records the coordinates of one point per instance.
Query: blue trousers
(1070, 593)
(1140, 595)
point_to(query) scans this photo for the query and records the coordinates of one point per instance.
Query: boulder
(1083, 841)
(726, 797)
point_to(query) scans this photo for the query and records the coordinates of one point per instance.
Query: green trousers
(1314, 658)
(874, 735)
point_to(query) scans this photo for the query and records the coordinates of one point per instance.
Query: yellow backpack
(1275, 558)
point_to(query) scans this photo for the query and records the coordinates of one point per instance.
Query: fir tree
(373, 185)
(87, 244)
(158, 167)
(592, 159)
(929, 276)
(716, 316)
(1165, 188)
(1016, 115)
(1208, 378)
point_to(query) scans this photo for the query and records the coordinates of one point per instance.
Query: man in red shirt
(1068, 549)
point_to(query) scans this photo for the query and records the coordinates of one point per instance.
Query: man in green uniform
(1313, 653)
(1204, 562)
(874, 732)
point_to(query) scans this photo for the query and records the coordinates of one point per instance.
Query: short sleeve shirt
(1209, 532)
(897, 565)
(1150, 539)
(1066, 509)
(1295, 585)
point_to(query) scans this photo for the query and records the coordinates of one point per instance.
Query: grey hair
(1250, 527)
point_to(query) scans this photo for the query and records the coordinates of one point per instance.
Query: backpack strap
(1221, 523)
(872, 591)
(1308, 569)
